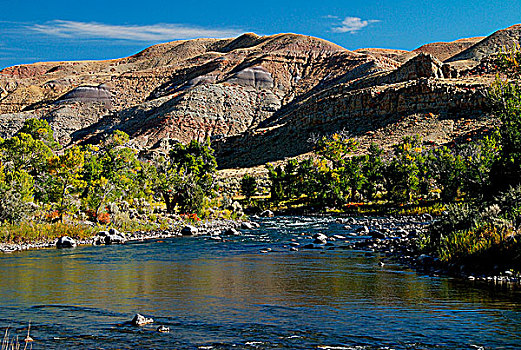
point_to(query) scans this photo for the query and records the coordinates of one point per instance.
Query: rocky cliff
(258, 98)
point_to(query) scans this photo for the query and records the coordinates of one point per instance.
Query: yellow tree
(65, 170)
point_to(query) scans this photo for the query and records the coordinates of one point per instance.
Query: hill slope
(259, 98)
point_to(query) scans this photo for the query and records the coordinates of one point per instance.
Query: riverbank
(213, 227)
(400, 239)
(394, 238)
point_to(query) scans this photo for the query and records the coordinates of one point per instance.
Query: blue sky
(36, 30)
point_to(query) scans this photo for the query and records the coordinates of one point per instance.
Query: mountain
(259, 98)
(446, 50)
(493, 43)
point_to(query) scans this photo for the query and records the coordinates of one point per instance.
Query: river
(230, 295)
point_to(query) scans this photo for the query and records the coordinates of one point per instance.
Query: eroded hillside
(259, 98)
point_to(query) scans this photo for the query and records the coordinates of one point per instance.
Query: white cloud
(154, 32)
(353, 25)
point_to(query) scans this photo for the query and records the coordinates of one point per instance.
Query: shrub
(13, 208)
(248, 186)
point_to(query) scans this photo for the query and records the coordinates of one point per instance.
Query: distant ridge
(491, 44)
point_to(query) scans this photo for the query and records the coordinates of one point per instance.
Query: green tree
(110, 172)
(505, 100)
(248, 186)
(23, 152)
(374, 170)
(276, 177)
(479, 158)
(448, 170)
(186, 177)
(39, 129)
(342, 174)
(16, 191)
(407, 173)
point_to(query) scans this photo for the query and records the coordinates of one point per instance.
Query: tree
(67, 181)
(23, 152)
(186, 177)
(342, 174)
(505, 100)
(407, 173)
(109, 172)
(373, 169)
(39, 129)
(16, 190)
(276, 177)
(248, 186)
(448, 169)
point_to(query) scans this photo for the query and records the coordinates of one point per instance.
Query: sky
(58, 30)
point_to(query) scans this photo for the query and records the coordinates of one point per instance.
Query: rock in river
(266, 214)
(140, 320)
(246, 225)
(163, 329)
(66, 242)
(231, 232)
(320, 238)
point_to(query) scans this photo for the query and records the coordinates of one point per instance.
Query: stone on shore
(66, 242)
(102, 234)
(115, 239)
(189, 230)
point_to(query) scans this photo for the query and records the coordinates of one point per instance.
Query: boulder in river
(320, 238)
(66, 242)
(163, 329)
(140, 320)
(231, 232)
(362, 230)
(115, 239)
(376, 234)
(266, 214)
(246, 225)
(189, 230)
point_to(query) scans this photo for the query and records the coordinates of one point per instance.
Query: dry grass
(43, 232)
(13, 343)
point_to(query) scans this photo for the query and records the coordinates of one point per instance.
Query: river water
(229, 295)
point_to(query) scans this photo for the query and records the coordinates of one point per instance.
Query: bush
(483, 244)
(13, 208)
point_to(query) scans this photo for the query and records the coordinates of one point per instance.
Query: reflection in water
(226, 294)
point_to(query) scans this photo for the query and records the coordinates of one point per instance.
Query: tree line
(411, 172)
(37, 175)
